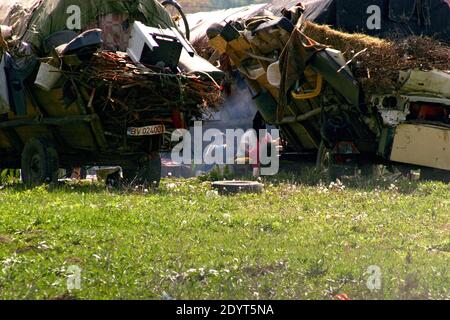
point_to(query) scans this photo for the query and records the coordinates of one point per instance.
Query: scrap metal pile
(323, 87)
(379, 61)
(127, 93)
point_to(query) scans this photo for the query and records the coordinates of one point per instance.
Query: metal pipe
(304, 116)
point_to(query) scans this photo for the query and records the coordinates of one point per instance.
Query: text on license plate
(147, 131)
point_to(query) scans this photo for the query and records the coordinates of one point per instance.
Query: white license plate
(147, 131)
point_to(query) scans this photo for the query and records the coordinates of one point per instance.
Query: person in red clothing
(251, 148)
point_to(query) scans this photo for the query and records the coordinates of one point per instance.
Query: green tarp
(52, 15)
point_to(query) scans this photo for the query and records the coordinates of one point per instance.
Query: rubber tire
(40, 163)
(148, 174)
(235, 187)
(113, 180)
(322, 159)
(177, 6)
(324, 163)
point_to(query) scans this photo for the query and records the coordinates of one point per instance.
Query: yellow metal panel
(219, 44)
(423, 145)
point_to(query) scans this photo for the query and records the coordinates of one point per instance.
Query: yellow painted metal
(310, 95)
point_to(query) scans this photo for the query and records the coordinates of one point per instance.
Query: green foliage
(293, 241)
(9, 176)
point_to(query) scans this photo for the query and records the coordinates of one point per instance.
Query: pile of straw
(378, 67)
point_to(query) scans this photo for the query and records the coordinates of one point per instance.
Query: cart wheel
(176, 13)
(323, 158)
(147, 174)
(154, 170)
(325, 163)
(39, 163)
(113, 180)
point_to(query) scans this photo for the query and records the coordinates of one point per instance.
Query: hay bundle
(378, 68)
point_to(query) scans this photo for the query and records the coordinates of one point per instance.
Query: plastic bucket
(274, 74)
(47, 76)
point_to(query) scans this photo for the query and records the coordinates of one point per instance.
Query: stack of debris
(378, 62)
(128, 93)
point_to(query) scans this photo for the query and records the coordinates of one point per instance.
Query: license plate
(147, 131)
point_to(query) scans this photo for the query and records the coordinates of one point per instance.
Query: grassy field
(297, 240)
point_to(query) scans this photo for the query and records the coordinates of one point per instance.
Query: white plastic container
(5, 31)
(274, 74)
(47, 76)
(140, 36)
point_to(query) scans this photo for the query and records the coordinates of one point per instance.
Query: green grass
(294, 241)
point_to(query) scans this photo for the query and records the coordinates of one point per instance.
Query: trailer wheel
(39, 163)
(323, 158)
(154, 170)
(326, 164)
(147, 174)
(113, 180)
